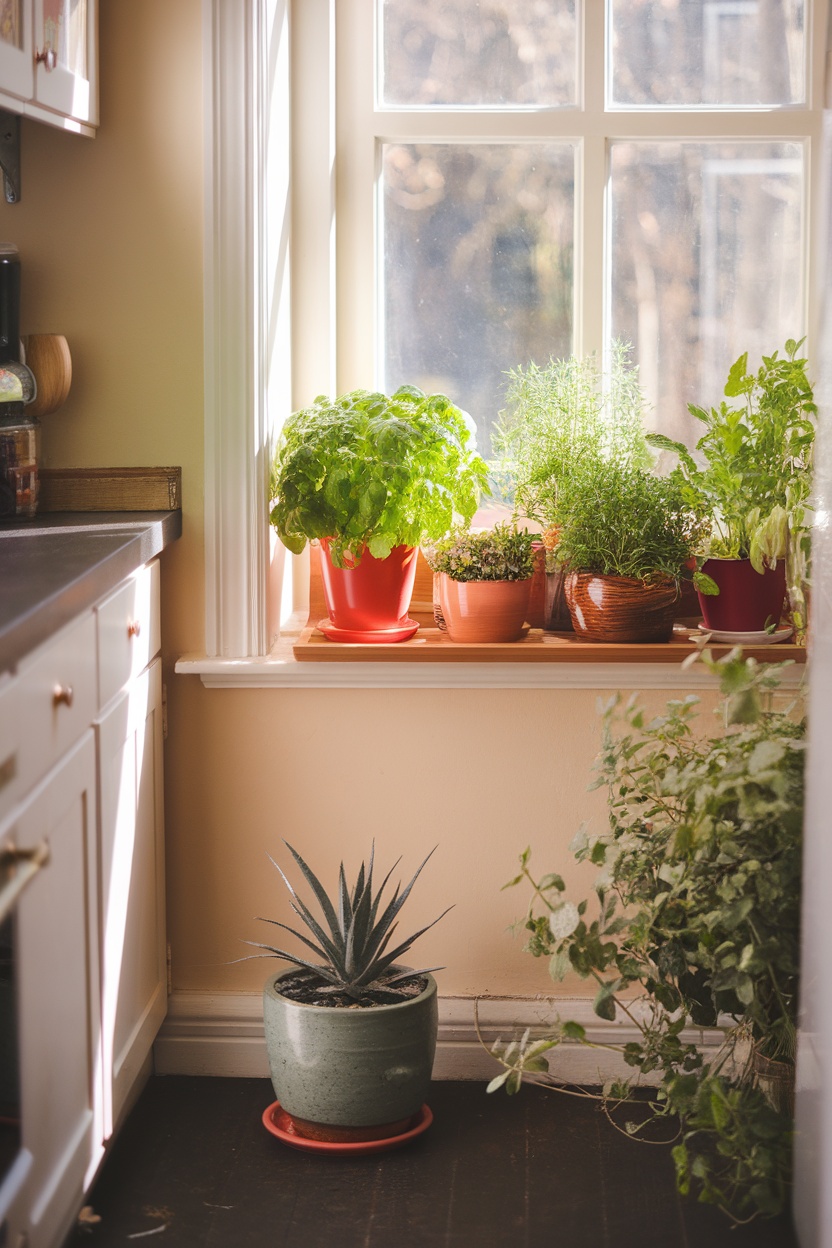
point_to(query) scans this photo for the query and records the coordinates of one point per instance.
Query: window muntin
(706, 53)
(477, 54)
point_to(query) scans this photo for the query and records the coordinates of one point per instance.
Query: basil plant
(368, 471)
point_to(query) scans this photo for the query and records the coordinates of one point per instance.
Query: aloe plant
(352, 940)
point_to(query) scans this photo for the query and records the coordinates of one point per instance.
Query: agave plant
(353, 939)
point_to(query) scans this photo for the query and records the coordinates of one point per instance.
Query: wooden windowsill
(431, 645)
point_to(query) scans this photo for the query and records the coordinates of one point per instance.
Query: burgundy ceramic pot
(374, 595)
(620, 608)
(748, 601)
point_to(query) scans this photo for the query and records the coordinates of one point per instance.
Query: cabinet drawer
(56, 698)
(129, 631)
(10, 787)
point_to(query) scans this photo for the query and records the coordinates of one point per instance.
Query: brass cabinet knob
(63, 695)
(48, 58)
(134, 629)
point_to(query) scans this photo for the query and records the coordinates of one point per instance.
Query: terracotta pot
(536, 614)
(373, 595)
(747, 600)
(484, 610)
(557, 618)
(620, 608)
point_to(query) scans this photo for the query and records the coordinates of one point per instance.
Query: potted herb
(350, 1032)
(625, 538)
(485, 580)
(696, 924)
(370, 476)
(559, 420)
(755, 483)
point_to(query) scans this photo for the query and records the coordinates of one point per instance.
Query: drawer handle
(48, 58)
(17, 867)
(63, 695)
(134, 629)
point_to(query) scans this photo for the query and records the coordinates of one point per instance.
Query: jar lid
(9, 249)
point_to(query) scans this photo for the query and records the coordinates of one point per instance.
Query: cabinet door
(134, 963)
(17, 67)
(66, 45)
(60, 1038)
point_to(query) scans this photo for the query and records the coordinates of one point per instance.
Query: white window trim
(269, 347)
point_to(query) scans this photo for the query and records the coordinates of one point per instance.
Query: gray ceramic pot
(350, 1067)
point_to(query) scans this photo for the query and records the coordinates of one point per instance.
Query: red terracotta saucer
(280, 1125)
(379, 636)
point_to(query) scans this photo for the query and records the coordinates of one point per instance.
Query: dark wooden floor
(491, 1172)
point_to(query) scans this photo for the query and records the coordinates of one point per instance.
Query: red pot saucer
(280, 1125)
(372, 635)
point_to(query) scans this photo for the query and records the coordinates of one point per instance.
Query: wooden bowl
(47, 355)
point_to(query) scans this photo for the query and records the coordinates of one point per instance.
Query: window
(522, 179)
(642, 171)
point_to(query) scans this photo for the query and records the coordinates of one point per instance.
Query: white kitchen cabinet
(132, 886)
(49, 61)
(58, 999)
(83, 767)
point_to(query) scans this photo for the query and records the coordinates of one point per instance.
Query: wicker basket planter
(620, 608)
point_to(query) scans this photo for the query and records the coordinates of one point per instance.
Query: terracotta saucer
(377, 635)
(280, 1125)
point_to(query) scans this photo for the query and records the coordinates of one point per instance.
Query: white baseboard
(222, 1034)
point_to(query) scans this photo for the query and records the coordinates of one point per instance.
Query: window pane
(706, 264)
(714, 53)
(477, 53)
(476, 248)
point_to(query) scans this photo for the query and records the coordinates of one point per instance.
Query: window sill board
(304, 659)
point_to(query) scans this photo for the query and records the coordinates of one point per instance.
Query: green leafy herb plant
(617, 519)
(350, 941)
(502, 553)
(370, 471)
(752, 471)
(695, 924)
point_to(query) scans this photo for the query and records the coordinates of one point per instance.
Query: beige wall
(110, 232)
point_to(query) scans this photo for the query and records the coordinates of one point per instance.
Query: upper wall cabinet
(48, 61)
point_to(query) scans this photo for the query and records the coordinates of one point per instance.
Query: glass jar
(19, 460)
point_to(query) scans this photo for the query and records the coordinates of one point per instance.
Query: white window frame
(271, 343)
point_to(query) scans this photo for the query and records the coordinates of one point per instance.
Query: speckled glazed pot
(350, 1068)
(620, 608)
(483, 611)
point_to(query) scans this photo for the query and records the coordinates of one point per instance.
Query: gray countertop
(56, 566)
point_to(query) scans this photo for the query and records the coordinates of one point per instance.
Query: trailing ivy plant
(754, 471)
(371, 471)
(694, 922)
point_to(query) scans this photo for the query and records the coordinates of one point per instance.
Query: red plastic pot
(748, 601)
(372, 596)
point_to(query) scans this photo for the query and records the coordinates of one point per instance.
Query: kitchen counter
(59, 564)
